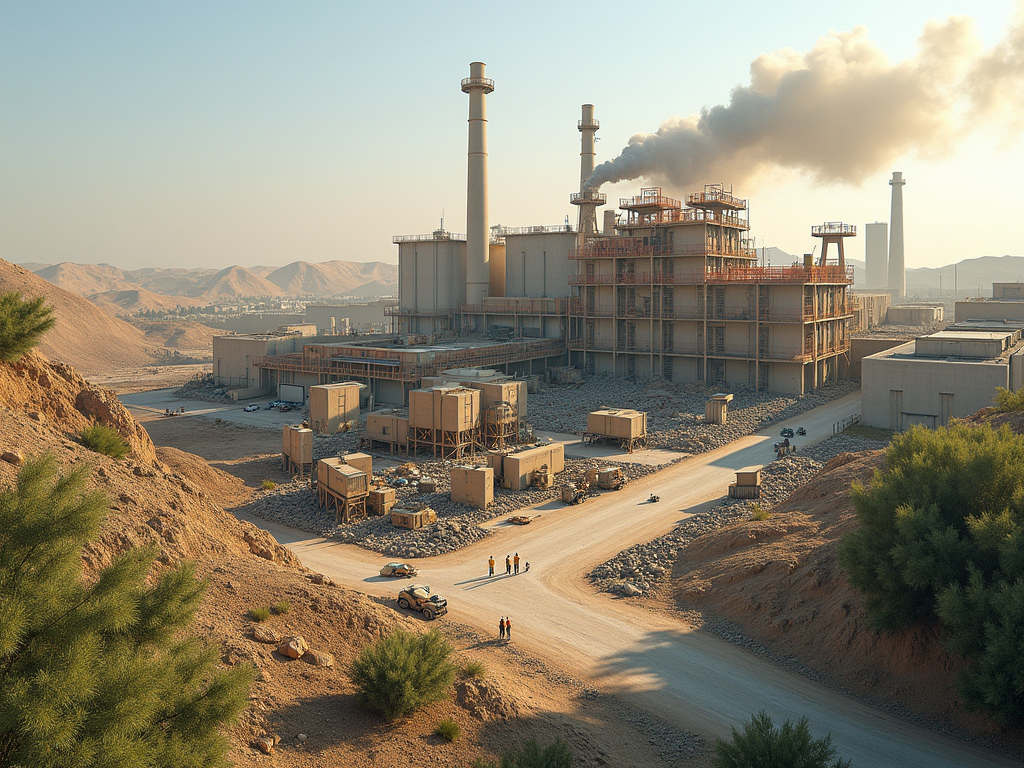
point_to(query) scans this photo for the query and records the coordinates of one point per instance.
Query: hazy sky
(216, 133)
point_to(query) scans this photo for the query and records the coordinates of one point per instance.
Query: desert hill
(231, 283)
(86, 279)
(134, 300)
(85, 336)
(779, 582)
(183, 335)
(332, 278)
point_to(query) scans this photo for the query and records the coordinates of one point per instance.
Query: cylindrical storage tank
(609, 223)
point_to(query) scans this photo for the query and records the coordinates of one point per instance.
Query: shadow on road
(489, 579)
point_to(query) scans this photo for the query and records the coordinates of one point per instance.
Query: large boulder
(293, 647)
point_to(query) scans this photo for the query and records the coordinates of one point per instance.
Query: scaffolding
(445, 444)
(346, 509)
(500, 426)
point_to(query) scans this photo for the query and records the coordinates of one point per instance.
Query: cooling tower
(477, 229)
(897, 270)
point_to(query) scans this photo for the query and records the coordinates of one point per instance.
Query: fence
(843, 424)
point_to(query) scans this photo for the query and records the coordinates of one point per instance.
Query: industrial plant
(662, 289)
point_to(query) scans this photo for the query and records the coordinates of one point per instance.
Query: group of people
(511, 565)
(504, 628)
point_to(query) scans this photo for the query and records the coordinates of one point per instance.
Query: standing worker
(508, 628)
(515, 560)
(490, 565)
(508, 564)
(501, 628)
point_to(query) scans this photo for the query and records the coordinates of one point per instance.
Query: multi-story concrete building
(679, 295)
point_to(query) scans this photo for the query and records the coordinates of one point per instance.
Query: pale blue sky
(214, 133)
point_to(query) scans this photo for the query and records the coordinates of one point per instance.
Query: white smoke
(840, 112)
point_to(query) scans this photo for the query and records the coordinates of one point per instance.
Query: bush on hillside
(532, 755)
(448, 729)
(762, 745)
(99, 672)
(1009, 402)
(941, 536)
(22, 324)
(103, 439)
(403, 671)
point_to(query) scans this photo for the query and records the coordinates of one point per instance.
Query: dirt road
(693, 679)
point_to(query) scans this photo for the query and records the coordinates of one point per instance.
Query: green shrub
(1009, 402)
(103, 439)
(259, 614)
(448, 729)
(532, 755)
(282, 606)
(941, 535)
(762, 745)
(22, 324)
(474, 668)
(105, 670)
(268, 485)
(402, 671)
(757, 512)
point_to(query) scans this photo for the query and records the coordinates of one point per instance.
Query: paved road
(693, 679)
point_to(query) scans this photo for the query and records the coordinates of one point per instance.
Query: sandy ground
(693, 680)
(150, 377)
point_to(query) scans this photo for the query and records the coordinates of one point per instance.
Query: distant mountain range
(973, 277)
(129, 291)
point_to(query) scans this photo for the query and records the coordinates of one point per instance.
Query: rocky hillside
(775, 585)
(231, 283)
(177, 500)
(133, 301)
(85, 336)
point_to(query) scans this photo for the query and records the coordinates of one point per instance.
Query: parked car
(251, 408)
(418, 598)
(801, 431)
(787, 432)
(403, 570)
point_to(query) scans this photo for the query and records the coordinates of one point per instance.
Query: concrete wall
(538, 265)
(861, 348)
(988, 310)
(899, 390)
(233, 356)
(914, 315)
(431, 275)
(1002, 291)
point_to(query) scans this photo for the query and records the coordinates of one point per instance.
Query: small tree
(1008, 401)
(762, 745)
(403, 671)
(99, 674)
(22, 324)
(532, 755)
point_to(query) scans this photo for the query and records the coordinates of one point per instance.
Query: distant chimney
(897, 269)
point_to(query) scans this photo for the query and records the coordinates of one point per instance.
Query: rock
(265, 744)
(631, 590)
(17, 458)
(484, 701)
(37, 416)
(293, 647)
(264, 634)
(318, 658)
(301, 737)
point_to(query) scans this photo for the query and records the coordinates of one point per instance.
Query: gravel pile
(675, 414)
(457, 526)
(634, 571)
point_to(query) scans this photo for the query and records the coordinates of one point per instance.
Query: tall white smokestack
(477, 229)
(897, 270)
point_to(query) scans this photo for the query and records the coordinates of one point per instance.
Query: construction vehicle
(653, 499)
(607, 478)
(573, 493)
(542, 478)
(418, 598)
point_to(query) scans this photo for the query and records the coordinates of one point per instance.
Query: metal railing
(437, 234)
(833, 228)
(501, 231)
(588, 197)
(710, 196)
(469, 83)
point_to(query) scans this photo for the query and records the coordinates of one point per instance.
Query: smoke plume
(839, 113)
